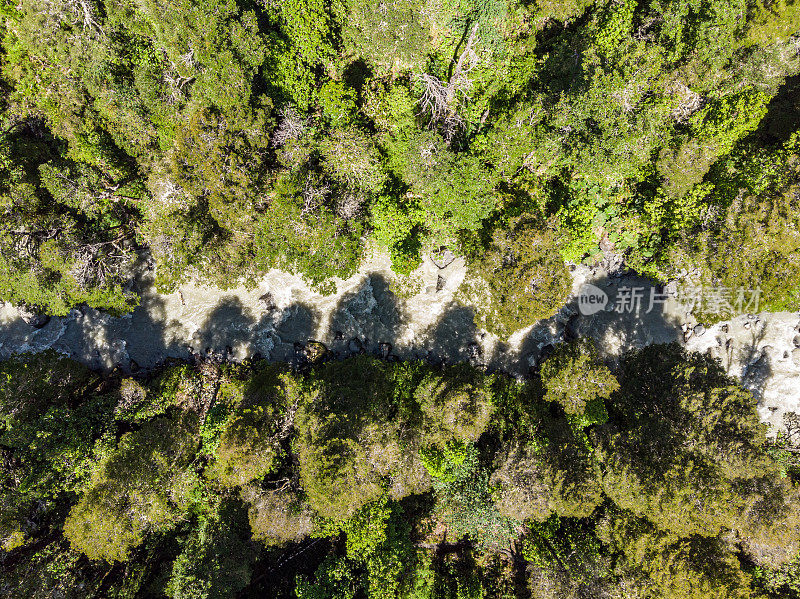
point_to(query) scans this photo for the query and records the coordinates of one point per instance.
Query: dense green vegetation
(384, 479)
(229, 137)
(216, 140)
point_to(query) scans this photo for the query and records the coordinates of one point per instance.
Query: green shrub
(518, 279)
(145, 484)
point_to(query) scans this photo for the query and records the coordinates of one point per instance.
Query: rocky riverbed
(420, 316)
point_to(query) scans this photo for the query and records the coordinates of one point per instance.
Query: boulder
(33, 317)
(442, 258)
(315, 351)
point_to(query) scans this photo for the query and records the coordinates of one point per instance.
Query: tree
(249, 444)
(519, 279)
(754, 243)
(453, 406)
(299, 233)
(391, 36)
(347, 439)
(691, 456)
(768, 22)
(50, 416)
(455, 189)
(65, 236)
(575, 378)
(378, 539)
(351, 157)
(333, 578)
(659, 565)
(216, 558)
(566, 558)
(278, 516)
(549, 469)
(219, 157)
(145, 485)
(464, 499)
(675, 495)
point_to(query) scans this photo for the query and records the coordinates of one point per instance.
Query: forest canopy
(372, 478)
(215, 140)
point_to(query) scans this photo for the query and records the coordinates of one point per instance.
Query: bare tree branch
(291, 127)
(443, 101)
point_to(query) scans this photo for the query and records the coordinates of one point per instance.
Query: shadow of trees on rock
(621, 326)
(372, 319)
(755, 359)
(366, 318)
(454, 338)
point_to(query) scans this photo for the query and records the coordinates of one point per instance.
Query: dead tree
(442, 101)
(76, 12)
(313, 195)
(291, 126)
(100, 263)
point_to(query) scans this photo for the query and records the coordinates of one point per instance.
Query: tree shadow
(227, 330)
(153, 333)
(454, 337)
(278, 334)
(629, 321)
(372, 319)
(145, 337)
(232, 331)
(755, 359)
(356, 74)
(783, 114)
(150, 334)
(367, 319)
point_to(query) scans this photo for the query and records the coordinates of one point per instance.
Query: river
(422, 316)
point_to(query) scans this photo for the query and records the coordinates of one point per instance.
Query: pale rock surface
(419, 317)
